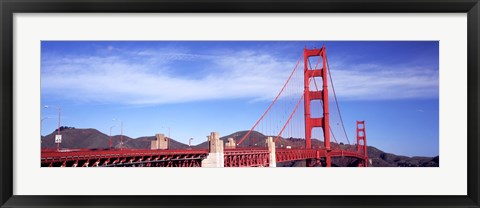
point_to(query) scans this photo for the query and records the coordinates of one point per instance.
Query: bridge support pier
(215, 156)
(160, 143)
(328, 161)
(318, 161)
(271, 150)
(310, 162)
(230, 144)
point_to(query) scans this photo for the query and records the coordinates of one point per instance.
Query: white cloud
(142, 77)
(376, 82)
(129, 81)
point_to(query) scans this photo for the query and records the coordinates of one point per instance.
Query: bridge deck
(242, 157)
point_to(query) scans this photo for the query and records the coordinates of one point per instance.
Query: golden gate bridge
(282, 121)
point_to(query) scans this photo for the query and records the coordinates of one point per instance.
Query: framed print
(266, 103)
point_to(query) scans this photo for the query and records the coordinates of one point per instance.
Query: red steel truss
(185, 158)
(285, 155)
(246, 158)
(132, 158)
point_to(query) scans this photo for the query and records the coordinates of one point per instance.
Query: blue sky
(195, 88)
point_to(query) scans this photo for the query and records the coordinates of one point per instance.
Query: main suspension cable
(336, 101)
(273, 102)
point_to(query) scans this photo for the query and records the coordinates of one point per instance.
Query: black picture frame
(9, 7)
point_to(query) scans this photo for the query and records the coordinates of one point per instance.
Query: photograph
(161, 103)
(305, 103)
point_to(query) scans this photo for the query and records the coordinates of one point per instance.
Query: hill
(94, 139)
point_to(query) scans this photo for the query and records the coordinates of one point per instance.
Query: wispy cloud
(386, 84)
(130, 81)
(146, 77)
(420, 110)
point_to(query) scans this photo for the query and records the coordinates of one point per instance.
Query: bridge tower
(362, 141)
(322, 95)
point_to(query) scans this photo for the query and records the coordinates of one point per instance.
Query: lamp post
(168, 147)
(41, 124)
(111, 136)
(168, 130)
(121, 133)
(58, 133)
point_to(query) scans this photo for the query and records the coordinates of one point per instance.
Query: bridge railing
(74, 155)
(246, 157)
(240, 157)
(283, 155)
(245, 151)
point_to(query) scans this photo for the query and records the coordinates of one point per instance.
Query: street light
(121, 133)
(111, 136)
(168, 130)
(41, 124)
(190, 142)
(168, 147)
(59, 135)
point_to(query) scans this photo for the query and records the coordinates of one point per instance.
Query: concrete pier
(215, 156)
(271, 149)
(160, 143)
(230, 144)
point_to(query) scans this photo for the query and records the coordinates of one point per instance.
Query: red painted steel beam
(324, 121)
(187, 158)
(284, 155)
(103, 157)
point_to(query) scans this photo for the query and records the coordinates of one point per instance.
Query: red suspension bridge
(300, 112)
